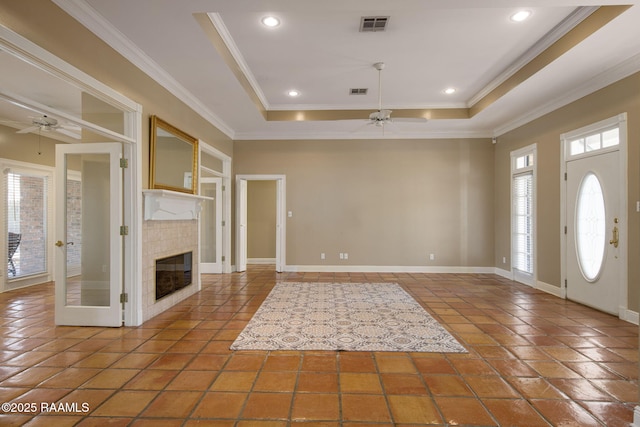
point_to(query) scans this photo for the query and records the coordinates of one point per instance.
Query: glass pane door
(89, 245)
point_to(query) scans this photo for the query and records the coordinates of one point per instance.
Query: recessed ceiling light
(293, 93)
(520, 15)
(450, 90)
(270, 21)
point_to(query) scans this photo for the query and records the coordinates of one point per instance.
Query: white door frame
(281, 224)
(621, 121)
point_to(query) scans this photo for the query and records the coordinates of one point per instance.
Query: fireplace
(172, 274)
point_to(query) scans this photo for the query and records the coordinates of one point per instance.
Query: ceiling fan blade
(29, 129)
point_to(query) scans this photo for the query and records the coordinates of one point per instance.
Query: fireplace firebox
(172, 274)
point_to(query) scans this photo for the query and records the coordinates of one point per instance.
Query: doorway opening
(277, 221)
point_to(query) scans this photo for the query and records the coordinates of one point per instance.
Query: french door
(88, 247)
(211, 226)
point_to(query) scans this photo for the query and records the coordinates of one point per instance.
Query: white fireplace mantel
(165, 205)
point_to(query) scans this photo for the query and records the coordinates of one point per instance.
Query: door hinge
(565, 283)
(565, 229)
(224, 223)
(124, 297)
(565, 176)
(124, 163)
(223, 258)
(124, 230)
(224, 188)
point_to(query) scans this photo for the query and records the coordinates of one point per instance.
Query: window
(594, 141)
(27, 218)
(523, 215)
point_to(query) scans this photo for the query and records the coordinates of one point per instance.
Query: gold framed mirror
(173, 158)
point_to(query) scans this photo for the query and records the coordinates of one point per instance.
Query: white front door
(211, 226)
(88, 247)
(593, 231)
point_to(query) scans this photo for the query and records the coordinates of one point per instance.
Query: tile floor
(534, 360)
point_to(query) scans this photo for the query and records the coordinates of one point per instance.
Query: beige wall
(385, 203)
(620, 97)
(25, 147)
(261, 219)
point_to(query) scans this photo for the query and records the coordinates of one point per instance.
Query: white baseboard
(261, 260)
(631, 317)
(384, 269)
(636, 417)
(550, 289)
(503, 273)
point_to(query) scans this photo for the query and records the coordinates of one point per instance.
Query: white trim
(97, 24)
(386, 269)
(569, 23)
(629, 316)
(264, 261)
(168, 205)
(503, 273)
(522, 277)
(636, 417)
(221, 28)
(281, 216)
(551, 289)
(318, 135)
(612, 75)
(35, 55)
(9, 165)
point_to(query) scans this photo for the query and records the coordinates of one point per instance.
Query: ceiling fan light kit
(381, 117)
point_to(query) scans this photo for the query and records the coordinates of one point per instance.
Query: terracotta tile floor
(534, 360)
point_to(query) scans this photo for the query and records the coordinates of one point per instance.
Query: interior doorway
(242, 219)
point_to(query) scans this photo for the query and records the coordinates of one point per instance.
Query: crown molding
(570, 22)
(614, 74)
(314, 135)
(94, 22)
(221, 28)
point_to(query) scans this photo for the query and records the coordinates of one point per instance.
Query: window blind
(26, 224)
(523, 222)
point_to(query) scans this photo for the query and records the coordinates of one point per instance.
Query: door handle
(59, 243)
(614, 240)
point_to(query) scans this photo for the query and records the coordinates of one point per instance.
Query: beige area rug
(344, 316)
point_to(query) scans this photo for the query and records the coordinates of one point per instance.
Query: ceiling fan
(382, 117)
(45, 124)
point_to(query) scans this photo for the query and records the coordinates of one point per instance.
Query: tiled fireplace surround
(163, 238)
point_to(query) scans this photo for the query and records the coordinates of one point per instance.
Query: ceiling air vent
(358, 91)
(373, 23)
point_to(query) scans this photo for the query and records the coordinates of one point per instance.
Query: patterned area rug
(344, 316)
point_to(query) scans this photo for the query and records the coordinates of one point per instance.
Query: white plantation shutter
(523, 222)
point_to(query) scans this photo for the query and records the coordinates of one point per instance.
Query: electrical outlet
(341, 255)
(432, 257)
(322, 255)
(504, 259)
(346, 255)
